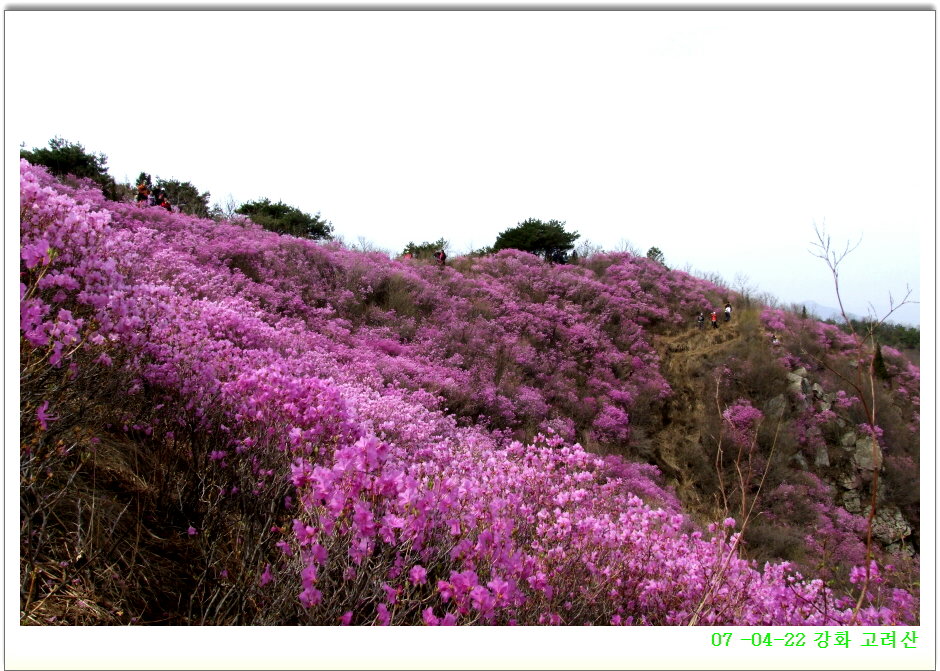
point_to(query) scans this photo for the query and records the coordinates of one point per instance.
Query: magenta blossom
(418, 575)
(42, 416)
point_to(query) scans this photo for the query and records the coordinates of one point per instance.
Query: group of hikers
(713, 317)
(155, 198)
(439, 255)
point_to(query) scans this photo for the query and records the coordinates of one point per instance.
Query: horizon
(721, 138)
(820, 310)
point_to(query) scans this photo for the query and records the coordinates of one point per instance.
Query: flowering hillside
(223, 425)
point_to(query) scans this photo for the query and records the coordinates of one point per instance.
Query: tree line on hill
(898, 336)
(62, 157)
(548, 239)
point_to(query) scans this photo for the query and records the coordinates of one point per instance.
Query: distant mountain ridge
(826, 312)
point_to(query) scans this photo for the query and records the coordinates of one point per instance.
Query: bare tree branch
(833, 260)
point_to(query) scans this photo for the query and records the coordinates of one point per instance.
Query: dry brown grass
(98, 542)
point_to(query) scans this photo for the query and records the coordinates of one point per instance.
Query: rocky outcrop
(799, 461)
(851, 501)
(866, 454)
(775, 407)
(889, 525)
(797, 382)
(848, 464)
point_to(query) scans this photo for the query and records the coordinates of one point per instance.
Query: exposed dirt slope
(688, 360)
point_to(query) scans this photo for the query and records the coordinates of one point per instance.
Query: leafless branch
(833, 259)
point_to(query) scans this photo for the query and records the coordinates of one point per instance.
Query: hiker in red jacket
(714, 319)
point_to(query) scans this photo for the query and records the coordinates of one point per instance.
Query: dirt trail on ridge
(687, 361)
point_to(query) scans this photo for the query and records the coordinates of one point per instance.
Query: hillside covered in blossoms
(224, 425)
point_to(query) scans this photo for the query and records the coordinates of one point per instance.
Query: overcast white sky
(719, 137)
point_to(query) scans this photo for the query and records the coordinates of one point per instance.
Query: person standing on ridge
(728, 311)
(143, 193)
(441, 257)
(701, 320)
(714, 317)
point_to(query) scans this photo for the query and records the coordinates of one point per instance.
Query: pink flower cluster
(742, 420)
(420, 420)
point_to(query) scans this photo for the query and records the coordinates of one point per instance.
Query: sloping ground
(685, 357)
(102, 545)
(284, 464)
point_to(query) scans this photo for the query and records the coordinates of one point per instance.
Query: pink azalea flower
(310, 596)
(418, 575)
(445, 589)
(35, 253)
(500, 588)
(429, 617)
(391, 593)
(384, 616)
(42, 416)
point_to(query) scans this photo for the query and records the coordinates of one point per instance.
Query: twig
(833, 260)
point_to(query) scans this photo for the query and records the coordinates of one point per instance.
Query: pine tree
(63, 158)
(881, 370)
(548, 239)
(283, 218)
(656, 254)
